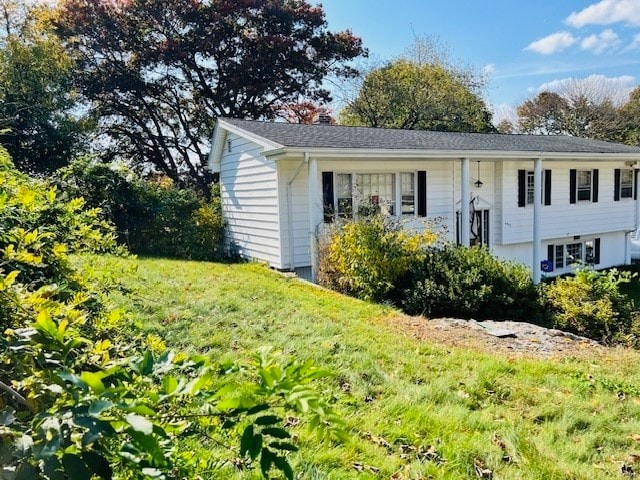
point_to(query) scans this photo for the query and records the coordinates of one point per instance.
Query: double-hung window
(530, 190)
(626, 183)
(363, 194)
(584, 184)
(407, 194)
(344, 195)
(526, 192)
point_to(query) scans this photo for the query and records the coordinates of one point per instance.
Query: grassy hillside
(414, 409)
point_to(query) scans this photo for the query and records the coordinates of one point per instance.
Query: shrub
(371, 258)
(152, 217)
(77, 401)
(466, 282)
(590, 303)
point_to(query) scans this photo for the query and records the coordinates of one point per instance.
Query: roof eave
(255, 138)
(368, 154)
(220, 132)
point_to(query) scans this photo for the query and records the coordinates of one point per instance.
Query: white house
(546, 201)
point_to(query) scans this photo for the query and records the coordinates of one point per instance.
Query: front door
(478, 227)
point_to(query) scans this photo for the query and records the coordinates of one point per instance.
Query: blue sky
(523, 45)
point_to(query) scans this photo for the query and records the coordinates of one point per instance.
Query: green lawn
(415, 410)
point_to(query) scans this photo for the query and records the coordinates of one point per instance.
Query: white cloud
(596, 87)
(505, 112)
(635, 43)
(556, 42)
(598, 43)
(489, 69)
(607, 12)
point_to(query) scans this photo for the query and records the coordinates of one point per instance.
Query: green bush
(80, 398)
(152, 217)
(371, 258)
(457, 281)
(590, 303)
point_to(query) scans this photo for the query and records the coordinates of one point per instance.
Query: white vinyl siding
(249, 195)
(299, 237)
(562, 219)
(267, 207)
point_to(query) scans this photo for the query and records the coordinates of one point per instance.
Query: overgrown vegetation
(372, 259)
(83, 397)
(592, 304)
(414, 408)
(376, 259)
(463, 282)
(152, 217)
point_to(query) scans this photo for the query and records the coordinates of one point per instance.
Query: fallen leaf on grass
(481, 470)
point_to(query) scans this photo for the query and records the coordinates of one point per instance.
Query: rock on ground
(526, 339)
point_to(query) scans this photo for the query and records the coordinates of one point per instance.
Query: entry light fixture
(478, 183)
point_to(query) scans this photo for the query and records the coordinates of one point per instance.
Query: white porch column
(465, 197)
(537, 212)
(313, 216)
(636, 181)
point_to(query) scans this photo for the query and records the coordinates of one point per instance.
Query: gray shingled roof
(337, 136)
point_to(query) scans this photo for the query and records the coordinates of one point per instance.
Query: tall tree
(422, 91)
(305, 112)
(159, 73)
(582, 108)
(629, 119)
(39, 123)
(542, 115)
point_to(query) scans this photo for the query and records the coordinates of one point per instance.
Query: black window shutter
(422, 193)
(635, 184)
(596, 256)
(550, 253)
(572, 185)
(616, 185)
(327, 196)
(594, 187)
(522, 188)
(547, 187)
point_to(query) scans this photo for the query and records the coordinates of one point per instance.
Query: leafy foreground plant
(79, 400)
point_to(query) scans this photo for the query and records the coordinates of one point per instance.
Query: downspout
(313, 219)
(290, 209)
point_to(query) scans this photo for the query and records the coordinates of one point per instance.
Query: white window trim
(631, 184)
(527, 190)
(569, 266)
(590, 199)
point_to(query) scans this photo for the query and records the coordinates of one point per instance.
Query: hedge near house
(151, 217)
(456, 281)
(376, 259)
